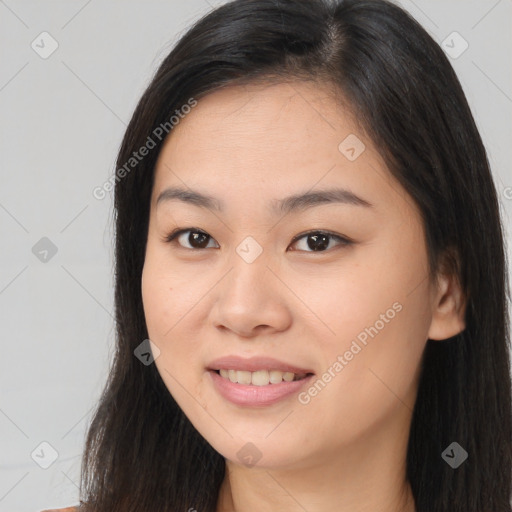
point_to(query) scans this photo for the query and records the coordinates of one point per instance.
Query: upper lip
(253, 364)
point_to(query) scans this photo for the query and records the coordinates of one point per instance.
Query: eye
(196, 238)
(317, 241)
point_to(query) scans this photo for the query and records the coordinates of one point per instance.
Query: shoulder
(67, 509)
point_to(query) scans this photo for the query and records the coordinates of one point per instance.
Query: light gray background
(62, 119)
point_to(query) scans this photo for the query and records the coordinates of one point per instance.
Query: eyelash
(171, 237)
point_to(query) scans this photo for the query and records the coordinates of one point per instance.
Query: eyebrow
(290, 204)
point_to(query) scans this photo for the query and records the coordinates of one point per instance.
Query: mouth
(259, 377)
(257, 381)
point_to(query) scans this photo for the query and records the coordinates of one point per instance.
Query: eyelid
(344, 241)
(175, 233)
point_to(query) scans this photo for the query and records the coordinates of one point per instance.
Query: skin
(345, 449)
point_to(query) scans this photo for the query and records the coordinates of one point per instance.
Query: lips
(257, 381)
(259, 395)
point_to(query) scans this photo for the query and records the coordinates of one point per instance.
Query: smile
(260, 392)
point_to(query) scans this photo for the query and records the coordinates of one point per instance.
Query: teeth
(276, 377)
(288, 377)
(260, 377)
(243, 377)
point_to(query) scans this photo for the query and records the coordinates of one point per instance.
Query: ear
(448, 307)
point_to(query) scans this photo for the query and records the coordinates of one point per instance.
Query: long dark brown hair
(142, 453)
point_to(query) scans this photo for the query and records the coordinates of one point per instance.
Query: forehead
(254, 111)
(269, 140)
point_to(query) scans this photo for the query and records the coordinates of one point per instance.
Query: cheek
(366, 382)
(168, 304)
(379, 327)
(167, 295)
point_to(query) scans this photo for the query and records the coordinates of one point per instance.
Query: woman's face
(248, 282)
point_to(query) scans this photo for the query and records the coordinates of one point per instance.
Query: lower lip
(256, 396)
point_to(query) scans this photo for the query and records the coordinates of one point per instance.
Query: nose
(252, 300)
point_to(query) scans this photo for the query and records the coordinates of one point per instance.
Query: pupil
(323, 243)
(198, 239)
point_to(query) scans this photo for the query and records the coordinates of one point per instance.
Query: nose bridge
(249, 294)
(249, 275)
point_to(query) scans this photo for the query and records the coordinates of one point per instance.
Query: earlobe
(448, 310)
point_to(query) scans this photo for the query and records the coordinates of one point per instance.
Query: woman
(305, 227)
